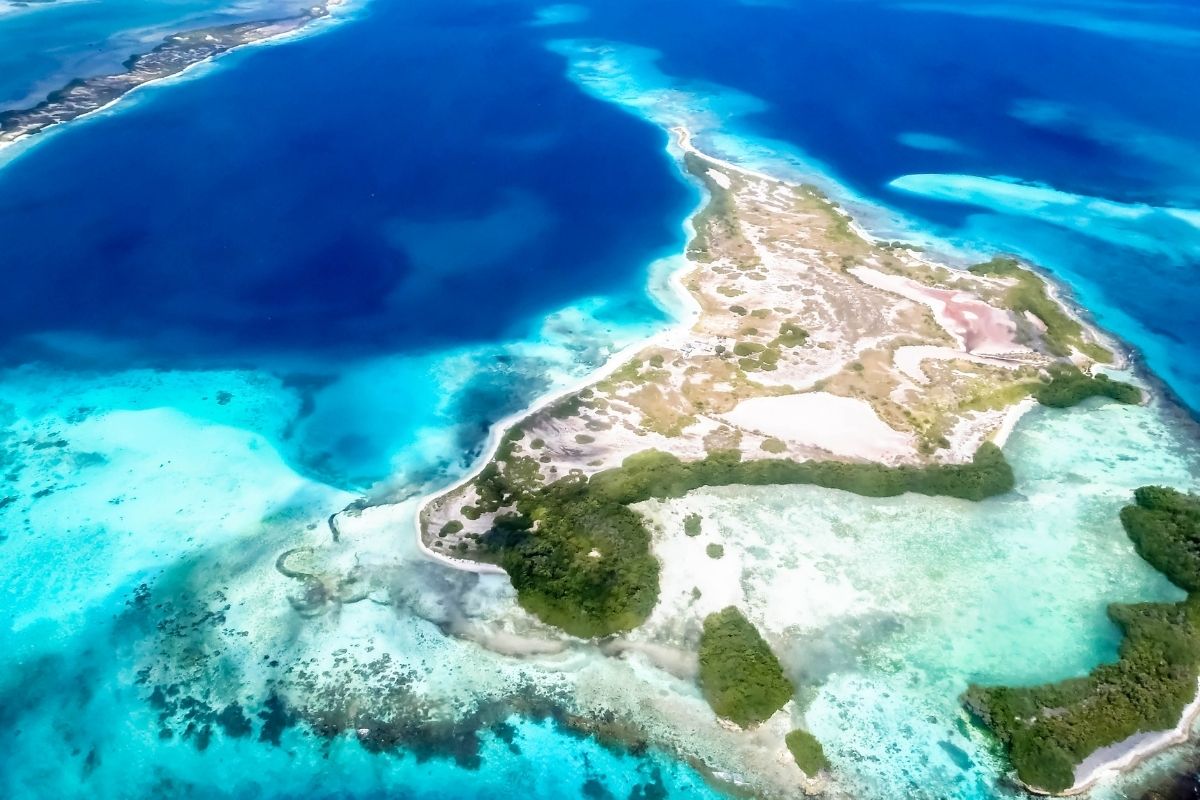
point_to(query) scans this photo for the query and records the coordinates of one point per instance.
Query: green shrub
(790, 335)
(451, 527)
(1164, 526)
(1049, 729)
(807, 751)
(691, 524)
(747, 348)
(715, 551)
(558, 578)
(1068, 386)
(739, 675)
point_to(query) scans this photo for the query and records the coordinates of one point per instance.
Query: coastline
(1131, 753)
(195, 48)
(679, 292)
(687, 313)
(1113, 761)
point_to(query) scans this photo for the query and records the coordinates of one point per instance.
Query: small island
(741, 678)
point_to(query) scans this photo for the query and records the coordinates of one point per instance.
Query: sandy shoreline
(1125, 756)
(681, 146)
(674, 283)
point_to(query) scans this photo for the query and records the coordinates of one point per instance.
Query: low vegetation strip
(1048, 730)
(1068, 386)
(740, 676)
(580, 558)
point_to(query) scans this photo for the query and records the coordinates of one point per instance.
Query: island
(176, 53)
(811, 354)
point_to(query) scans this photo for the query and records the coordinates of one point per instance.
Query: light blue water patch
(561, 14)
(929, 141)
(136, 537)
(1170, 232)
(883, 611)
(1171, 28)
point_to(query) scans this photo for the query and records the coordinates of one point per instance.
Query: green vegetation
(790, 335)
(1068, 386)
(773, 446)
(588, 569)
(715, 551)
(739, 675)
(691, 524)
(756, 356)
(747, 348)
(717, 217)
(1050, 729)
(1029, 295)
(1164, 526)
(807, 751)
(453, 526)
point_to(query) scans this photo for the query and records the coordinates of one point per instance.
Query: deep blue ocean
(395, 231)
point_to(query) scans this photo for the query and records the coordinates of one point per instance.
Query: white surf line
(309, 28)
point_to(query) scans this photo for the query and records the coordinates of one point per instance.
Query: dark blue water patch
(412, 179)
(845, 80)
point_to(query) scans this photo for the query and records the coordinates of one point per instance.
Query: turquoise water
(888, 609)
(327, 266)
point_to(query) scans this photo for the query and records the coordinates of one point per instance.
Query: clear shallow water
(365, 250)
(887, 609)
